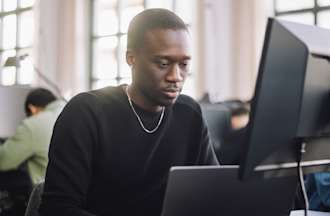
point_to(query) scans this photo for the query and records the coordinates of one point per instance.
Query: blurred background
(80, 44)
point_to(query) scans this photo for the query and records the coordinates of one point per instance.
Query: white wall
(234, 32)
(62, 43)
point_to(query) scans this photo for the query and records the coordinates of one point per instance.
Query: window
(16, 37)
(108, 39)
(312, 12)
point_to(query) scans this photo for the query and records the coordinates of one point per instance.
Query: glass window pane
(130, 3)
(104, 83)
(125, 70)
(305, 18)
(105, 19)
(9, 31)
(25, 73)
(323, 2)
(127, 81)
(9, 5)
(8, 76)
(160, 4)
(26, 3)
(127, 15)
(108, 4)
(26, 29)
(105, 59)
(185, 9)
(285, 5)
(323, 19)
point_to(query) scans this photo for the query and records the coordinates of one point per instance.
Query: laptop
(215, 190)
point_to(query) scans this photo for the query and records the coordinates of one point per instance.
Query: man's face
(160, 66)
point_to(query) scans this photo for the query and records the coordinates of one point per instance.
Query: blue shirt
(318, 191)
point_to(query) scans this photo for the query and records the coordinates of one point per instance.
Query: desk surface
(310, 213)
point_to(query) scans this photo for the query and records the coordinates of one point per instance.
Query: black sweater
(101, 162)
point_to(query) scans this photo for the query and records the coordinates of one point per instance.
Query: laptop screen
(214, 190)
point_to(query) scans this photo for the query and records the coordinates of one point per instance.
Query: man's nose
(175, 74)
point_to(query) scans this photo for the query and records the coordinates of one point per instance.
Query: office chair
(217, 117)
(15, 189)
(34, 201)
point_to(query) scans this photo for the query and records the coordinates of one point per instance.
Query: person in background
(318, 191)
(31, 141)
(27, 150)
(112, 148)
(234, 141)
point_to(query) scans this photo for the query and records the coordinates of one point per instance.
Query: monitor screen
(291, 102)
(12, 108)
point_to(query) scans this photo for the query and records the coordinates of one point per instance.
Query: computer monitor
(12, 100)
(291, 102)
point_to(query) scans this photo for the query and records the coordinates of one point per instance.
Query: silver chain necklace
(139, 119)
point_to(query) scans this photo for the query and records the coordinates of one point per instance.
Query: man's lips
(171, 93)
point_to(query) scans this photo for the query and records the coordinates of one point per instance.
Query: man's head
(37, 100)
(158, 52)
(239, 113)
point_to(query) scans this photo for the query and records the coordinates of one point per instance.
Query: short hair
(156, 18)
(39, 97)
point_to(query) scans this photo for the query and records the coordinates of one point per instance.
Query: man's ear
(130, 57)
(34, 109)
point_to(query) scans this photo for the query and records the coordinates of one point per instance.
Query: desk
(310, 213)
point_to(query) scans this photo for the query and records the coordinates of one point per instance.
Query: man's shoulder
(96, 101)
(38, 123)
(109, 91)
(44, 117)
(187, 102)
(97, 96)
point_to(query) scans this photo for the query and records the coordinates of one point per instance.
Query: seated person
(112, 148)
(318, 191)
(27, 150)
(234, 141)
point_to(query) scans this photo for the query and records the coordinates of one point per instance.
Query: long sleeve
(70, 157)
(16, 149)
(207, 156)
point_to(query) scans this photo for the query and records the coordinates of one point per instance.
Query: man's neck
(137, 97)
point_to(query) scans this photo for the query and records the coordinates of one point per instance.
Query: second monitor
(290, 108)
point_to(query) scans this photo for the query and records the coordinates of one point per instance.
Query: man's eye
(184, 64)
(163, 64)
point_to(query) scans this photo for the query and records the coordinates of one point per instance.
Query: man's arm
(208, 156)
(16, 149)
(70, 159)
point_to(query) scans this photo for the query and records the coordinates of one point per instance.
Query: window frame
(314, 10)
(18, 12)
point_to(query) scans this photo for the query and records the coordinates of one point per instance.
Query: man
(112, 149)
(31, 141)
